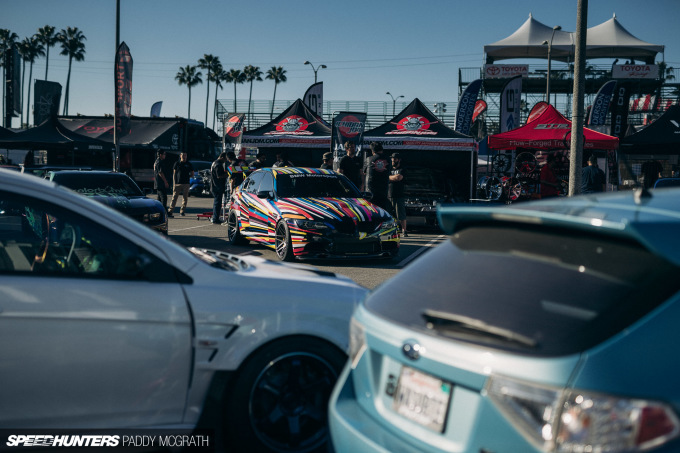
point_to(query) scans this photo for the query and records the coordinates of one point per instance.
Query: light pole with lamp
(323, 66)
(394, 102)
(547, 83)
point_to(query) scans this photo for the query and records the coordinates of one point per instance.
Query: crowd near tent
(422, 140)
(297, 132)
(606, 40)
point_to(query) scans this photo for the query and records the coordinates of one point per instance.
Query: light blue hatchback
(547, 326)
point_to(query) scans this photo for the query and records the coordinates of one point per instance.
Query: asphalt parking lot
(194, 231)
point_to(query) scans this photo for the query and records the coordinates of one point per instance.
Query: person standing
(396, 193)
(327, 161)
(160, 179)
(236, 173)
(592, 178)
(182, 172)
(282, 161)
(218, 182)
(350, 166)
(259, 161)
(377, 171)
(550, 185)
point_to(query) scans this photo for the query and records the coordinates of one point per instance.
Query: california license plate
(422, 398)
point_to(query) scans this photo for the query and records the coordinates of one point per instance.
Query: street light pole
(394, 102)
(323, 66)
(547, 84)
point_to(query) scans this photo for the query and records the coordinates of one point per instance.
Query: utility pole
(576, 149)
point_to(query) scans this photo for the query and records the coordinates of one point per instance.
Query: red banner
(480, 107)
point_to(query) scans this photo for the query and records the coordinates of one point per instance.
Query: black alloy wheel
(283, 243)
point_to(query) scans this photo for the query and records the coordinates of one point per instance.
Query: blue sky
(409, 48)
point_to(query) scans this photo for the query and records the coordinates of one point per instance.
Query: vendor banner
(480, 107)
(510, 104)
(635, 71)
(504, 71)
(347, 127)
(466, 107)
(46, 98)
(123, 89)
(620, 105)
(233, 134)
(600, 108)
(537, 110)
(314, 98)
(156, 109)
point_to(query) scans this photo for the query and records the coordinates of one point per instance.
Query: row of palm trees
(191, 76)
(31, 48)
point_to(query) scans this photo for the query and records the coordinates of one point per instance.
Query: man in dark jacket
(182, 172)
(218, 181)
(377, 171)
(161, 179)
(592, 178)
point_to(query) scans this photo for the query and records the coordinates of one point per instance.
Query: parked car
(309, 213)
(549, 326)
(424, 190)
(105, 324)
(667, 182)
(200, 183)
(116, 190)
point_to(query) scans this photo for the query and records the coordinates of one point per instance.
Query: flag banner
(480, 107)
(12, 69)
(123, 84)
(466, 107)
(47, 97)
(347, 127)
(643, 104)
(635, 71)
(620, 105)
(598, 112)
(233, 134)
(537, 110)
(314, 98)
(510, 104)
(156, 109)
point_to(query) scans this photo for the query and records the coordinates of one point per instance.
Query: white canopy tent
(607, 40)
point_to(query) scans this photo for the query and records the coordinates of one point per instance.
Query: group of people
(592, 177)
(382, 177)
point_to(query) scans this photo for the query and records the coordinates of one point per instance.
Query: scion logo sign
(294, 124)
(413, 124)
(350, 126)
(234, 126)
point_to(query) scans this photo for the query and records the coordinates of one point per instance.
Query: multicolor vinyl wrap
(319, 227)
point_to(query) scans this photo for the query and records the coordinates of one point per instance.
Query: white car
(106, 324)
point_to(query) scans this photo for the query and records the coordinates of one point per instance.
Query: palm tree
(49, 39)
(7, 40)
(278, 75)
(29, 49)
(252, 73)
(72, 45)
(211, 64)
(189, 76)
(220, 76)
(235, 76)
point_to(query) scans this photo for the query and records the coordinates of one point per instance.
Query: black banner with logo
(620, 109)
(598, 112)
(123, 83)
(466, 107)
(233, 134)
(347, 127)
(47, 97)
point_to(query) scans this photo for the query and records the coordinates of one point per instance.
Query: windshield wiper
(439, 320)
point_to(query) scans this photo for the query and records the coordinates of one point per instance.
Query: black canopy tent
(298, 132)
(662, 136)
(424, 141)
(62, 146)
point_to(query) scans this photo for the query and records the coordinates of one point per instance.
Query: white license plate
(422, 398)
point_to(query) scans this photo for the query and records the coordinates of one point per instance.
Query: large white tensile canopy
(607, 40)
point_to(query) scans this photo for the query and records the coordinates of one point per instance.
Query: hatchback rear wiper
(439, 320)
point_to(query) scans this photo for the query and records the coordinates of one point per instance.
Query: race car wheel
(284, 247)
(279, 399)
(233, 232)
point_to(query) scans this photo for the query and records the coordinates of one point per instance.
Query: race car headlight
(311, 225)
(386, 225)
(154, 217)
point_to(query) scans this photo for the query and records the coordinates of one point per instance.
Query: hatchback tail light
(559, 420)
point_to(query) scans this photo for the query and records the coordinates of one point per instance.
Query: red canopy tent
(550, 131)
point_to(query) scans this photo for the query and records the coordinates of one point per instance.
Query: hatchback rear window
(528, 289)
